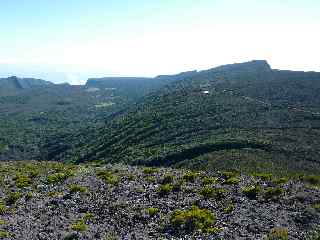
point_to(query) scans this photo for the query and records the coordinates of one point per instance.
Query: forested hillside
(236, 116)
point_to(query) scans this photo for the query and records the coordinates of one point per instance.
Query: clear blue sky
(137, 37)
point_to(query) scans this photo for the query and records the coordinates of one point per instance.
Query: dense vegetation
(245, 116)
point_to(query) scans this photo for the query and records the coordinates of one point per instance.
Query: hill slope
(244, 115)
(13, 84)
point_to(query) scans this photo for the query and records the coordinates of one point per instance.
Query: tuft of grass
(219, 193)
(230, 208)
(28, 196)
(230, 174)
(209, 180)
(88, 216)
(190, 176)
(3, 208)
(22, 181)
(316, 206)
(5, 234)
(232, 181)
(272, 193)
(13, 197)
(74, 188)
(150, 170)
(207, 192)
(108, 177)
(263, 176)
(79, 226)
(278, 234)
(281, 180)
(56, 178)
(193, 219)
(165, 189)
(252, 191)
(152, 211)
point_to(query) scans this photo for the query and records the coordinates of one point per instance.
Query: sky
(75, 39)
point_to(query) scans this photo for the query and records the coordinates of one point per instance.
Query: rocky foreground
(56, 201)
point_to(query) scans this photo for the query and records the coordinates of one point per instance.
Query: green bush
(281, 180)
(230, 208)
(252, 192)
(316, 206)
(263, 176)
(88, 216)
(80, 226)
(77, 188)
(232, 181)
(207, 192)
(5, 234)
(219, 193)
(56, 178)
(209, 180)
(193, 219)
(229, 174)
(165, 189)
(108, 177)
(152, 211)
(278, 234)
(190, 176)
(273, 192)
(3, 208)
(150, 170)
(13, 197)
(22, 181)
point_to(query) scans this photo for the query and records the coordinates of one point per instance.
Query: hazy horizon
(71, 41)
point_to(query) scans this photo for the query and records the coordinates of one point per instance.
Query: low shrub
(5, 234)
(207, 192)
(193, 219)
(232, 181)
(13, 197)
(273, 192)
(190, 176)
(3, 208)
(56, 178)
(152, 211)
(230, 208)
(79, 226)
(281, 180)
(150, 170)
(165, 189)
(209, 180)
(77, 188)
(108, 177)
(278, 234)
(252, 192)
(263, 176)
(219, 193)
(22, 181)
(229, 174)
